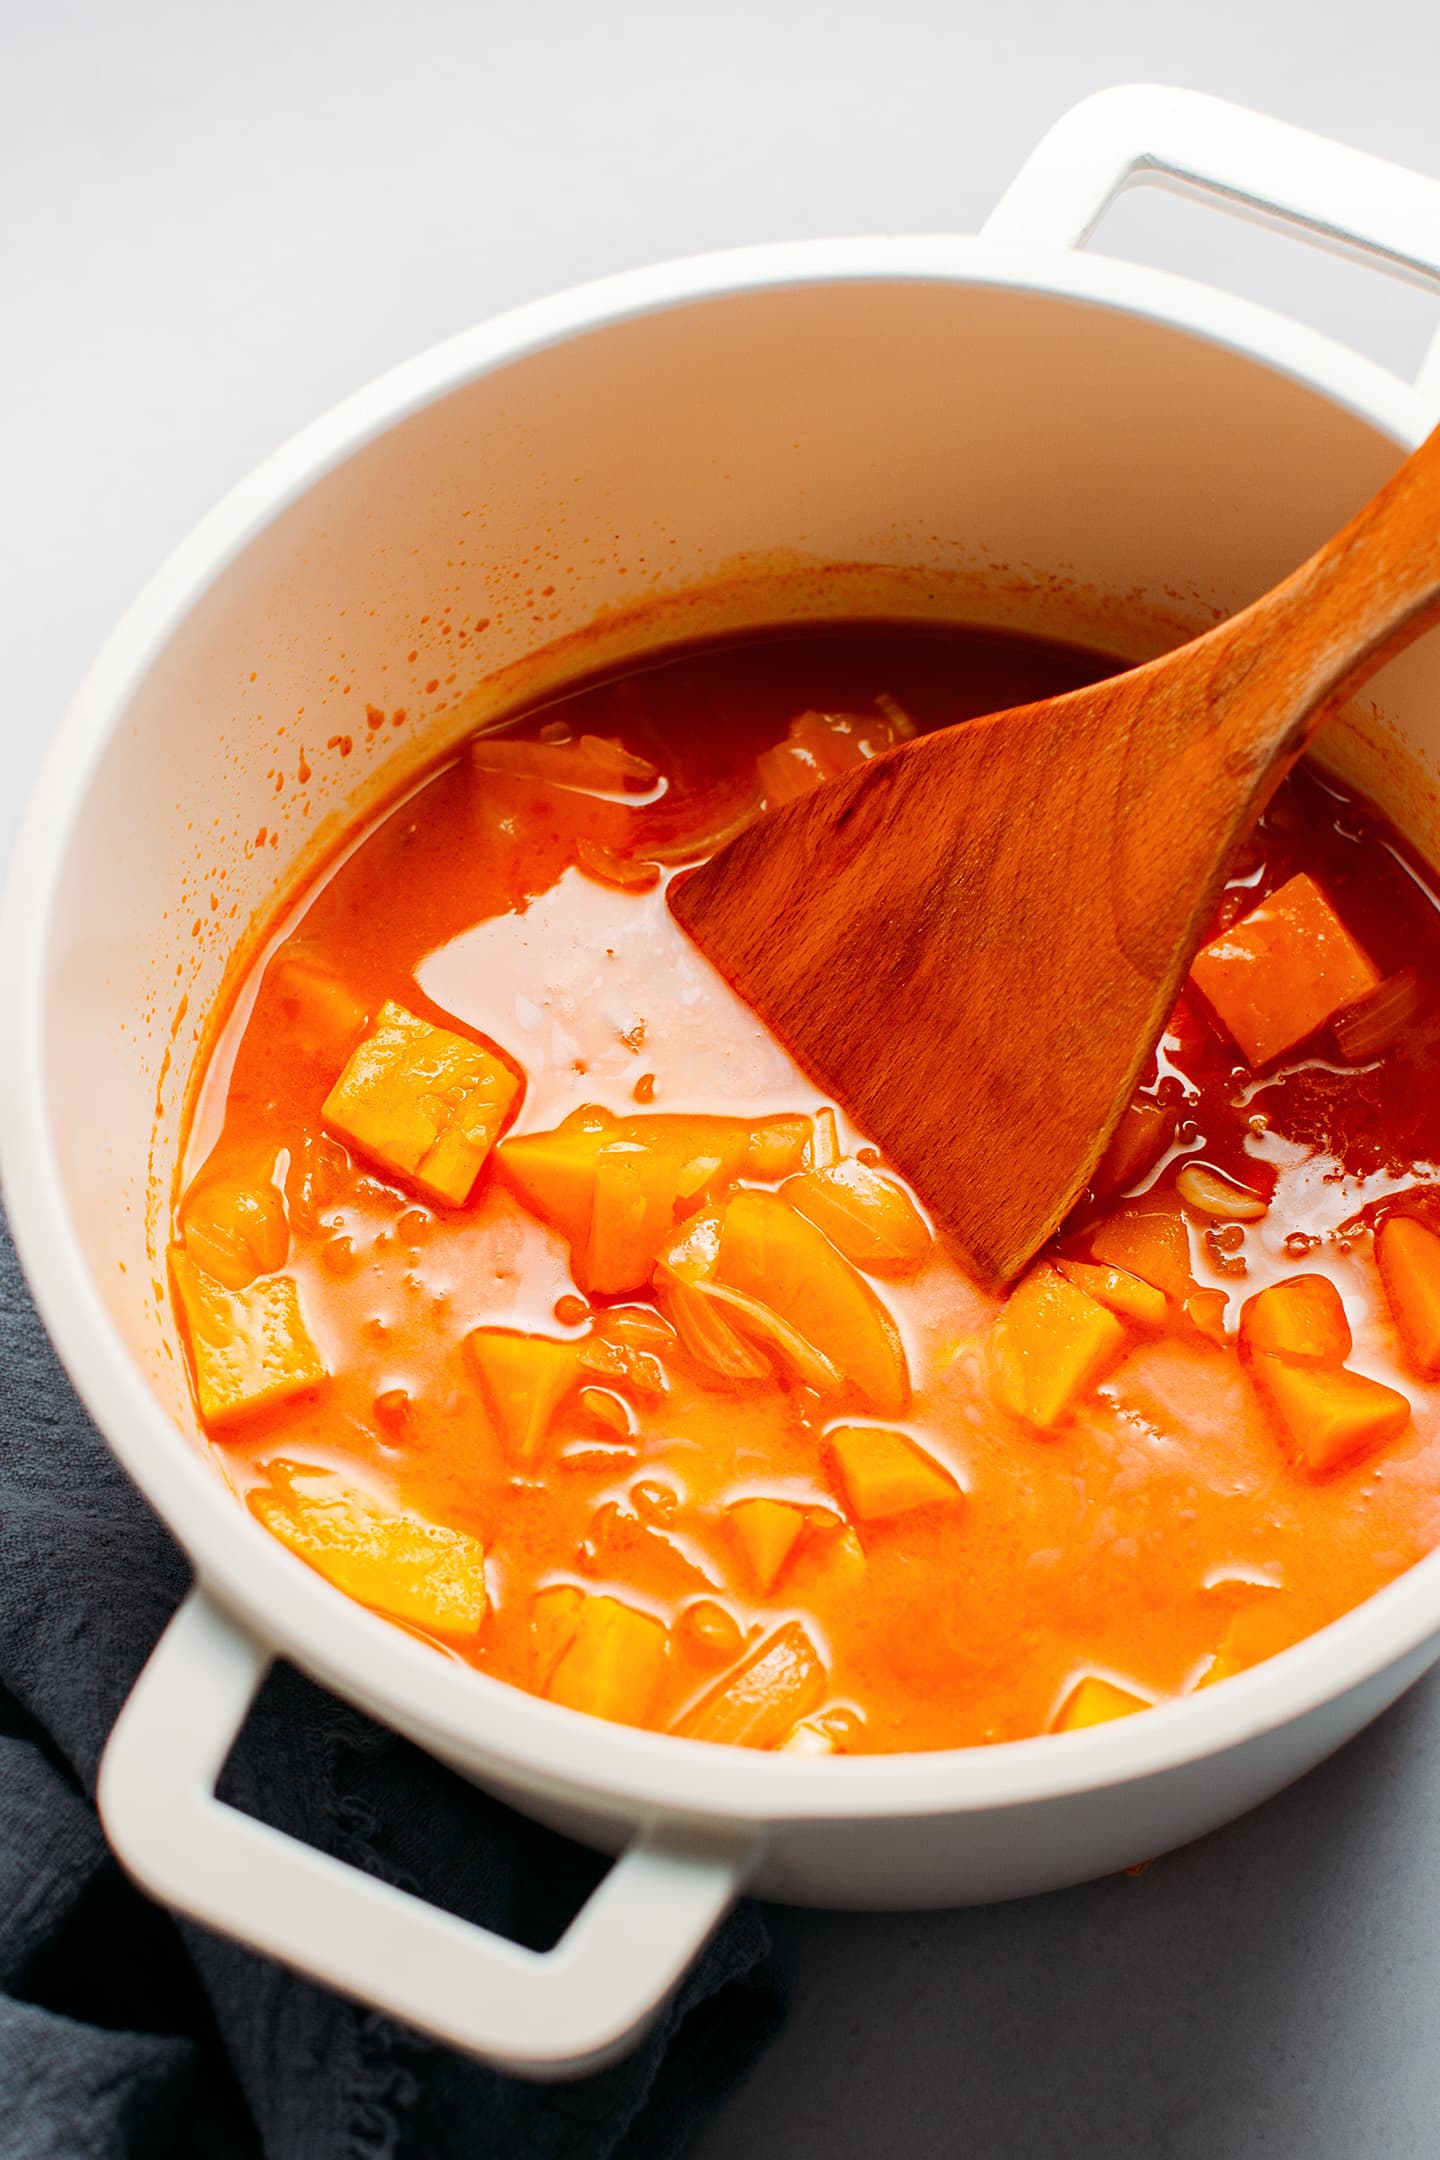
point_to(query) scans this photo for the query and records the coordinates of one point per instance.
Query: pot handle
(1356, 205)
(543, 2015)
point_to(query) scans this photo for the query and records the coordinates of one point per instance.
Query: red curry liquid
(1166, 1527)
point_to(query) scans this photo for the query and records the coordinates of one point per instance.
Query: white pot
(1072, 443)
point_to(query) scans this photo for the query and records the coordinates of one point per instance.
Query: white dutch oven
(1038, 435)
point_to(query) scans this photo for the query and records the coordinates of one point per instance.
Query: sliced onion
(709, 1336)
(765, 1326)
(824, 1149)
(902, 727)
(630, 873)
(695, 1305)
(704, 840)
(596, 764)
(1363, 1031)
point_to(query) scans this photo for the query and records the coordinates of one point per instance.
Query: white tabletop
(216, 221)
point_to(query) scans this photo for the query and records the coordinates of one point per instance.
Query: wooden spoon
(973, 941)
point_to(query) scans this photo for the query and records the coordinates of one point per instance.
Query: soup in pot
(535, 1298)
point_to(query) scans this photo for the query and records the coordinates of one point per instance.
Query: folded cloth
(125, 2032)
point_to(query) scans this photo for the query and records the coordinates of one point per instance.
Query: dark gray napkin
(125, 2033)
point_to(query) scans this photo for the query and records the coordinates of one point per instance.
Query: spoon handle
(1282, 664)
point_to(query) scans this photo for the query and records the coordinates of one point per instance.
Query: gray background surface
(214, 221)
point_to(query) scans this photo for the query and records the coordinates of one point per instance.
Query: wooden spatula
(973, 942)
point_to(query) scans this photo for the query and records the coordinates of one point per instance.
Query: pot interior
(896, 448)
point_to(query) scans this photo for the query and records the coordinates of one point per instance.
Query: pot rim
(459, 1712)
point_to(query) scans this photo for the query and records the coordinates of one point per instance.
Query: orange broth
(957, 1584)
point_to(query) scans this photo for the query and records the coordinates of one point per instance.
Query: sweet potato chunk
(1331, 1415)
(829, 1567)
(818, 746)
(769, 1253)
(1147, 1238)
(424, 1103)
(777, 1146)
(235, 1228)
(1049, 1346)
(323, 1013)
(767, 1530)
(613, 1663)
(884, 1473)
(1283, 971)
(524, 1379)
(1144, 1132)
(554, 1172)
(1302, 1318)
(1093, 1701)
(1116, 1288)
(408, 1568)
(614, 1187)
(787, 770)
(1409, 1257)
(251, 1347)
(1258, 1632)
(780, 1682)
(554, 1616)
(872, 1220)
(636, 1193)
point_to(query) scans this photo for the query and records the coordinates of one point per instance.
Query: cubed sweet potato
(1282, 971)
(1049, 1346)
(250, 1348)
(767, 1531)
(554, 1616)
(235, 1228)
(1093, 1701)
(613, 1663)
(884, 1473)
(1409, 1257)
(1301, 1318)
(777, 1147)
(830, 1566)
(636, 1193)
(413, 1570)
(1257, 1632)
(1147, 1237)
(615, 1187)
(869, 1218)
(1121, 1292)
(554, 1172)
(769, 1253)
(523, 1379)
(323, 1014)
(1144, 1132)
(1330, 1415)
(423, 1102)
